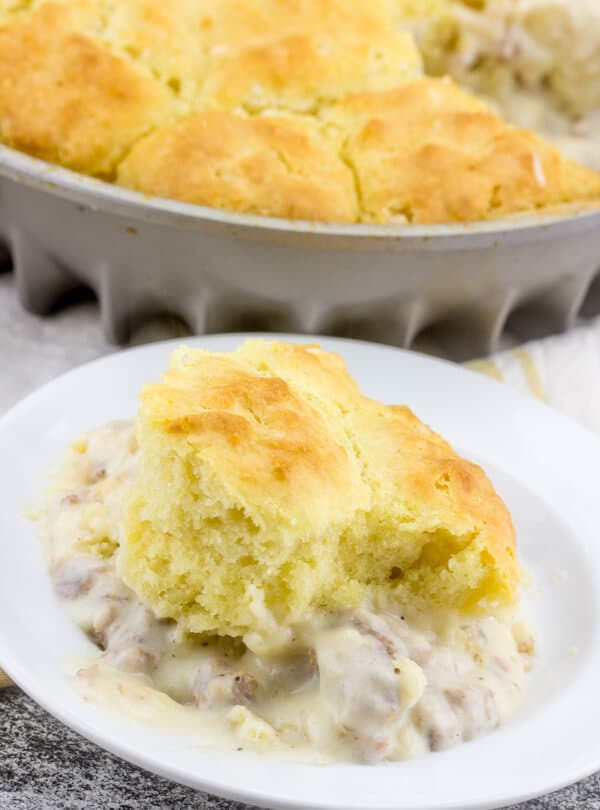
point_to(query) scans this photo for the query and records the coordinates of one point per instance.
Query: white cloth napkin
(563, 371)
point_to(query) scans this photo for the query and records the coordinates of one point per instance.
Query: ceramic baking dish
(222, 271)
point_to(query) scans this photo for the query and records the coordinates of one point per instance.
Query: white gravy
(364, 685)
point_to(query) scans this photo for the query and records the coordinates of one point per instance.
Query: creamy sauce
(577, 137)
(536, 61)
(366, 685)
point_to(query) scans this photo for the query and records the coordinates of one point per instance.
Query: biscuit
(273, 166)
(66, 98)
(271, 487)
(428, 152)
(304, 109)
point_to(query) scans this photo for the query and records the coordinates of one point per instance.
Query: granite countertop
(42, 763)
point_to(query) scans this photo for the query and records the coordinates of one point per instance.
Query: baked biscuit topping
(430, 152)
(311, 109)
(269, 165)
(66, 98)
(290, 491)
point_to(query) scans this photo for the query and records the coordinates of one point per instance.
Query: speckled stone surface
(44, 765)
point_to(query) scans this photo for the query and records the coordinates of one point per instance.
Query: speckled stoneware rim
(105, 196)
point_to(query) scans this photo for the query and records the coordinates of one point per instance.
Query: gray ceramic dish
(221, 271)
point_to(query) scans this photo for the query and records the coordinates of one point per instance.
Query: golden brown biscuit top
(271, 488)
(287, 430)
(86, 83)
(170, 39)
(429, 152)
(407, 467)
(271, 165)
(258, 435)
(67, 99)
(301, 55)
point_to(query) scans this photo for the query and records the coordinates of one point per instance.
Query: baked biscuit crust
(448, 158)
(270, 487)
(67, 99)
(271, 165)
(310, 109)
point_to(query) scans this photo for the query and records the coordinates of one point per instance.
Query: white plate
(545, 466)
